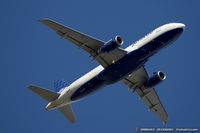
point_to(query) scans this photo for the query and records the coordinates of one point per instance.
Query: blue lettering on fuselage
(128, 64)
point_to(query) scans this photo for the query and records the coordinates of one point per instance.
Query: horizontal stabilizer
(68, 113)
(44, 93)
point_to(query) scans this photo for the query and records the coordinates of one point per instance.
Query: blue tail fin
(59, 85)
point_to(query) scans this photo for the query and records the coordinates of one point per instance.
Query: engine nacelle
(155, 79)
(111, 45)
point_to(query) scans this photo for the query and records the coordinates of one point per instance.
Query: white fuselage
(66, 94)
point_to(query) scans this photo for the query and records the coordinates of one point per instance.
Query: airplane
(116, 64)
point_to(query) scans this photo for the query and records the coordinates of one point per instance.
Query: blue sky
(31, 53)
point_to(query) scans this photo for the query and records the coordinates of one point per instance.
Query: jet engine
(157, 78)
(111, 45)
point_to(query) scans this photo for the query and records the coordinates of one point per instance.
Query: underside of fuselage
(129, 63)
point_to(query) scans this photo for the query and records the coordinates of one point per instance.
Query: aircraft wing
(85, 42)
(135, 81)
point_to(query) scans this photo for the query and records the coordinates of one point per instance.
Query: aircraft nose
(180, 25)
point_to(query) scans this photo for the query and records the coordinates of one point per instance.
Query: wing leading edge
(86, 42)
(149, 96)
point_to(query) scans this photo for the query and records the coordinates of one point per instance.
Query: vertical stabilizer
(59, 85)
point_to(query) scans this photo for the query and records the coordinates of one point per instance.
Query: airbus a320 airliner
(116, 64)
